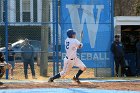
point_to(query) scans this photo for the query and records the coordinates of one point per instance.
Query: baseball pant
(119, 61)
(26, 68)
(69, 63)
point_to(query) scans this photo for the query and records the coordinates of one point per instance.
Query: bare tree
(127, 7)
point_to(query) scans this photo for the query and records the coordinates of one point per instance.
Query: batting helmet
(70, 32)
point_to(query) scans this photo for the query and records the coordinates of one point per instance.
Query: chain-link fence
(32, 20)
(37, 21)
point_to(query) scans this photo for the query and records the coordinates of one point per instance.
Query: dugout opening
(129, 38)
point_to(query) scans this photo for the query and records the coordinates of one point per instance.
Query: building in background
(22, 10)
(24, 19)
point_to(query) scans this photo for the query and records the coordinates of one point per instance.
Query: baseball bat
(81, 36)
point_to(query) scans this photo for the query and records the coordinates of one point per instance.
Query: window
(26, 10)
(0, 11)
(3, 10)
(35, 10)
(17, 10)
(26, 5)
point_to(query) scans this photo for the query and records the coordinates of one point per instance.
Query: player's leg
(32, 69)
(116, 66)
(25, 69)
(12, 63)
(81, 67)
(51, 79)
(12, 70)
(66, 68)
(2, 71)
(122, 63)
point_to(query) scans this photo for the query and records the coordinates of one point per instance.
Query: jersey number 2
(67, 45)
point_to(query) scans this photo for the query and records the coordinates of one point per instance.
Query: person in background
(28, 58)
(138, 58)
(2, 63)
(117, 50)
(11, 59)
(2, 60)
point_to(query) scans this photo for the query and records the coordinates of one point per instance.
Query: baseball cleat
(26, 77)
(33, 77)
(50, 79)
(76, 80)
(117, 75)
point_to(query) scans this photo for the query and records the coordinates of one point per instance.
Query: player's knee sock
(57, 76)
(79, 73)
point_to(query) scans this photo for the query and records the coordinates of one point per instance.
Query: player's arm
(79, 45)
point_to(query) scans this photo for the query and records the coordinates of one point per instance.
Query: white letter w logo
(87, 18)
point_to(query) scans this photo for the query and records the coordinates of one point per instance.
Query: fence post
(57, 52)
(112, 27)
(44, 38)
(6, 33)
(0, 10)
(54, 38)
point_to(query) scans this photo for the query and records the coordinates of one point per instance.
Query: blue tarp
(63, 90)
(91, 20)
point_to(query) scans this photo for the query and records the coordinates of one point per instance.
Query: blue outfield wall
(92, 21)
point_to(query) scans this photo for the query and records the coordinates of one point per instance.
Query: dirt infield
(89, 74)
(135, 86)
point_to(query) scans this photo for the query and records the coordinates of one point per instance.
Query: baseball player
(71, 59)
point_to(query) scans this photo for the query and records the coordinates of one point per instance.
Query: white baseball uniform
(71, 59)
